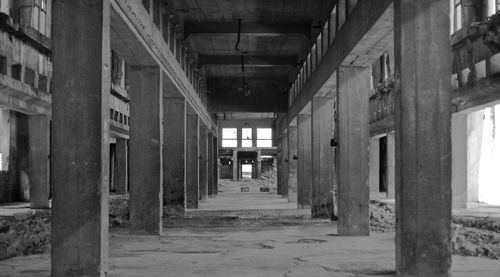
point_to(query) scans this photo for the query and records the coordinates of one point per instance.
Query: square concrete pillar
(39, 148)
(80, 142)
(192, 160)
(174, 137)
(146, 143)
(235, 163)
(354, 140)
(322, 157)
(292, 163)
(374, 168)
(423, 138)
(391, 165)
(121, 166)
(283, 164)
(216, 166)
(203, 168)
(304, 169)
(259, 165)
(211, 163)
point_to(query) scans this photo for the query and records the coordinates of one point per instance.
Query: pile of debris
(119, 211)
(24, 234)
(476, 242)
(269, 179)
(382, 217)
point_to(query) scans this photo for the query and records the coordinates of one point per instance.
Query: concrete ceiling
(275, 36)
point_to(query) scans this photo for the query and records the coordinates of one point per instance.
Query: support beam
(376, 24)
(292, 163)
(374, 168)
(283, 165)
(248, 28)
(304, 169)
(121, 166)
(259, 164)
(391, 165)
(203, 168)
(215, 157)
(192, 160)
(39, 129)
(174, 137)
(146, 140)
(80, 117)
(322, 118)
(423, 140)
(234, 161)
(248, 61)
(354, 139)
(211, 163)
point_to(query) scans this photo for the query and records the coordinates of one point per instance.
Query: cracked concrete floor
(300, 248)
(311, 250)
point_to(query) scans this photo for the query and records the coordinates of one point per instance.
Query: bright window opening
(229, 137)
(246, 171)
(1, 162)
(264, 137)
(246, 137)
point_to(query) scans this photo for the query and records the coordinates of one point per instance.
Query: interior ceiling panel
(268, 28)
(251, 10)
(254, 45)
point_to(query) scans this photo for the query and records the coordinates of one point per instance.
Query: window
(264, 137)
(1, 162)
(246, 137)
(493, 7)
(455, 15)
(229, 137)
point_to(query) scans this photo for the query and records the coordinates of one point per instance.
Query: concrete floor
(311, 249)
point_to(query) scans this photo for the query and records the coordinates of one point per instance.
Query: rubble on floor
(24, 234)
(268, 179)
(119, 211)
(476, 237)
(382, 217)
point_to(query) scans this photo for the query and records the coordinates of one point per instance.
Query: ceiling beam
(248, 28)
(250, 61)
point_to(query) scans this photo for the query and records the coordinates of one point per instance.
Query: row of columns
(324, 150)
(172, 153)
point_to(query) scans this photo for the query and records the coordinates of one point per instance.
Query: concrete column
(235, 165)
(203, 168)
(292, 163)
(121, 166)
(322, 157)
(374, 168)
(391, 165)
(304, 169)
(459, 160)
(174, 137)
(423, 140)
(275, 164)
(39, 129)
(192, 161)
(80, 117)
(216, 166)
(211, 163)
(283, 166)
(354, 140)
(146, 140)
(278, 164)
(259, 164)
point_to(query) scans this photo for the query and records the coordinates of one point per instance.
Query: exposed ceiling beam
(248, 28)
(250, 61)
